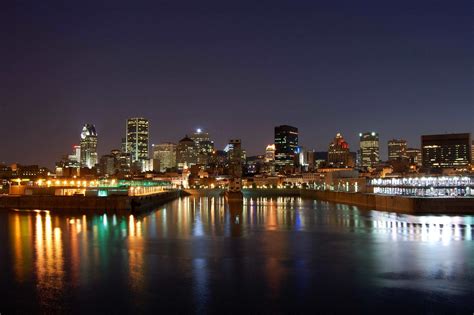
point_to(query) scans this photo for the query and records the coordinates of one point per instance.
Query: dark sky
(234, 68)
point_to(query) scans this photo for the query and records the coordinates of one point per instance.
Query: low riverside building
(99, 188)
(426, 186)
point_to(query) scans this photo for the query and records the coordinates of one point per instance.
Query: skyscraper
(165, 153)
(186, 153)
(338, 152)
(397, 149)
(88, 152)
(369, 149)
(204, 146)
(137, 139)
(446, 151)
(286, 142)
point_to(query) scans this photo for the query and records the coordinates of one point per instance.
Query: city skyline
(354, 146)
(401, 70)
(303, 156)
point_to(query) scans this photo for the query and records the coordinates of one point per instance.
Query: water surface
(267, 255)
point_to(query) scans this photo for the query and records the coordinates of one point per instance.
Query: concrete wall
(400, 204)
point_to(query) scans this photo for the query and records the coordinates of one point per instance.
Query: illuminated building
(320, 159)
(286, 142)
(254, 164)
(124, 162)
(88, 146)
(165, 153)
(204, 146)
(270, 153)
(397, 149)
(70, 165)
(434, 186)
(137, 139)
(338, 153)
(414, 156)
(76, 156)
(186, 153)
(28, 171)
(305, 158)
(446, 151)
(369, 149)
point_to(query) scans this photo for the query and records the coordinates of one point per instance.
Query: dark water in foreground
(281, 255)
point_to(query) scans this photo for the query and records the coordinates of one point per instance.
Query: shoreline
(137, 204)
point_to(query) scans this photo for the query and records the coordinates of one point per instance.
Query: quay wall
(400, 204)
(248, 192)
(109, 203)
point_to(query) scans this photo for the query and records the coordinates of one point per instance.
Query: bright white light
(198, 130)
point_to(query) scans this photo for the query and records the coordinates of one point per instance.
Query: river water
(265, 255)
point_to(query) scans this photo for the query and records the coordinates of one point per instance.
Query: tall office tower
(369, 149)
(88, 146)
(397, 149)
(338, 152)
(446, 151)
(186, 153)
(270, 153)
(137, 139)
(286, 142)
(235, 155)
(165, 153)
(204, 146)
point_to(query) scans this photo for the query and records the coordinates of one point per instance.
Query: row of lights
(76, 183)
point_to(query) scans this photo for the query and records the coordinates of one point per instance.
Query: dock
(114, 203)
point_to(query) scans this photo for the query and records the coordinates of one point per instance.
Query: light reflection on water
(197, 247)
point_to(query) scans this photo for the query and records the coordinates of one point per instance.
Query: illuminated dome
(88, 130)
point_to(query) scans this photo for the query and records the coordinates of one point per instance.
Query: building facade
(369, 149)
(270, 153)
(204, 146)
(235, 155)
(88, 146)
(446, 151)
(286, 143)
(397, 149)
(186, 153)
(338, 152)
(414, 156)
(165, 153)
(137, 139)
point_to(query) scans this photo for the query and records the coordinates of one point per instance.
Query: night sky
(233, 68)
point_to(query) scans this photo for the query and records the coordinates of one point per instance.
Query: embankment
(88, 203)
